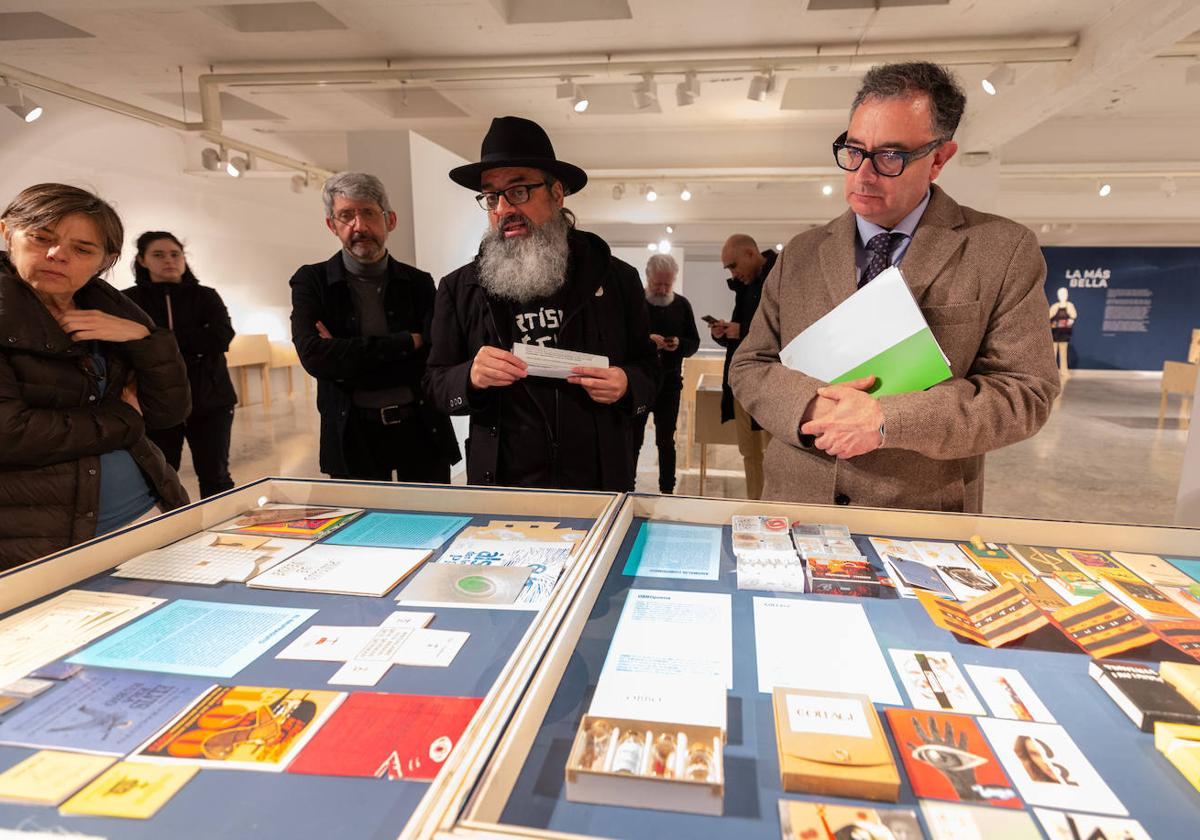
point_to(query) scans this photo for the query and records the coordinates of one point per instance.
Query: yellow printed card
(130, 790)
(49, 776)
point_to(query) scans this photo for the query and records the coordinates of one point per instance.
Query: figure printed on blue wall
(1062, 321)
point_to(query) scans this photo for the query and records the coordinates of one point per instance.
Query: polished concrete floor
(1101, 457)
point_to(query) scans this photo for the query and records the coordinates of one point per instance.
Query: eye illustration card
(946, 757)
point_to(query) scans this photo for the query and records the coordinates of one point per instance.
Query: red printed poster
(947, 757)
(388, 736)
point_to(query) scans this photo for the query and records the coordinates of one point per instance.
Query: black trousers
(666, 415)
(375, 450)
(207, 435)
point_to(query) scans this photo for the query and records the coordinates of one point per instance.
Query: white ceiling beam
(1130, 34)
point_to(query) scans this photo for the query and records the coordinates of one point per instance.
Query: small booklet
(555, 363)
(879, 330)
(343, 570)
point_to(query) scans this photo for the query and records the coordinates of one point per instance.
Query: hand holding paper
(604, 385)
(494, 368)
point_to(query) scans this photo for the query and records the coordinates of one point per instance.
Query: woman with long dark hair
(83, 375)
(170, 294)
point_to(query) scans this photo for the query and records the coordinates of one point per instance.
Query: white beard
(660, 300)
(525, 268)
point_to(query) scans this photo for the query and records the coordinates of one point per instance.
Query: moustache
(362, 237)
(512, 220)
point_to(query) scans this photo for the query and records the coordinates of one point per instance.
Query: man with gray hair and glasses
(978, 280)
(361, 325)
(673, 331)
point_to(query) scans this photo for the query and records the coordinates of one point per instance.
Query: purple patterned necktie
(879, 251)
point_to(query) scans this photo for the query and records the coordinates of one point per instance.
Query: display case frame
(478, 794)
(23, 585)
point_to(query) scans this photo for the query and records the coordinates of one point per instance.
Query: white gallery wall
(244, 237)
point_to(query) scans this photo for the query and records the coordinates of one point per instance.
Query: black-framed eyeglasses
(887, 162)
(514, 195)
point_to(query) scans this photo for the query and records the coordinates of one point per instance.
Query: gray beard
(660, 300)
(525, 268)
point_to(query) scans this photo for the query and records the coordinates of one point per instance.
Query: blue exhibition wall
(1136, 307)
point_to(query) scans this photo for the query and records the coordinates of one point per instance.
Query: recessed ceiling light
(827, 189)
(670, 228)
(651, 246)
(685, 194)
(1105, 190)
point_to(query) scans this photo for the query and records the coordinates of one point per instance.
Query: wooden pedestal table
(707, 427)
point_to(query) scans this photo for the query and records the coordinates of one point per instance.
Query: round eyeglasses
(514, 195)
(887, 162)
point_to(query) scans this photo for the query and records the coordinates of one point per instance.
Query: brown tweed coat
(978, 279)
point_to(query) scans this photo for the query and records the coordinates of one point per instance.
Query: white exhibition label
(553, 362)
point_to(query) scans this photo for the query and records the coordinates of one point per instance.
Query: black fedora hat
(515, 141)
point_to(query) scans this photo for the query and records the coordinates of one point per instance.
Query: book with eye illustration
(946, 757)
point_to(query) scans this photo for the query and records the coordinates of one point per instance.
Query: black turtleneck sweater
(674, 320)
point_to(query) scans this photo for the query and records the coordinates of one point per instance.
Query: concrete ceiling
(1099, 91)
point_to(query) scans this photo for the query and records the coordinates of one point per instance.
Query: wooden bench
(250, 351)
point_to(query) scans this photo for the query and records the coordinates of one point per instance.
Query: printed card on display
(1048, 767)
(1061, 825)
(48, 777)
(934, 683)
(947, 821)
(965, 579)
(242, 727)
(813, 820)
(1152, 569)
(676, 550)
(1008, 695)
(946, 757)
(130, 790)
(994, 619)
(1102, 627)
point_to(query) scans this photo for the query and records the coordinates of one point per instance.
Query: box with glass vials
(643, 764)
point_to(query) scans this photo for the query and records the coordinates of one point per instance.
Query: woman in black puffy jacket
(170, 294)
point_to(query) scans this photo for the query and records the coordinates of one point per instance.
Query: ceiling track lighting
(827, 190)
(761, 86)
(618, 192)
(237, 166)
(685, 194)
(1105, 190)
(996, 78)
(645, 94)
(664, 246)
(650, 193)
(687, 90)
(567, 89)
(15, 100)
(210, 159)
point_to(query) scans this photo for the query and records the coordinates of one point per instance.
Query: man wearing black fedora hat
(539, 280)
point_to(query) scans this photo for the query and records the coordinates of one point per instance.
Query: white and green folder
(879, 330)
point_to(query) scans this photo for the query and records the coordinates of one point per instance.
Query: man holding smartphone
(748, 268)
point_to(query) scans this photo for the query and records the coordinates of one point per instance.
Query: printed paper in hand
(130, 790)
(933, 682)
(555, 363)
(48, 777)
(1008, 695)
(1048, 768)
(879, 330)
(343, 570)
(795, 649)
(672, 550)
(205, 638)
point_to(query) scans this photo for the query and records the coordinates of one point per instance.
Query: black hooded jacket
(545, 432)
(198, 318)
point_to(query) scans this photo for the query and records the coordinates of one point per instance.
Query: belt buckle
(390, 415)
